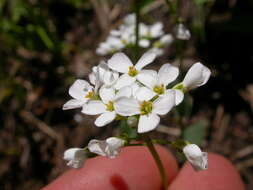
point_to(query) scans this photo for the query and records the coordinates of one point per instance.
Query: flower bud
(196, 157)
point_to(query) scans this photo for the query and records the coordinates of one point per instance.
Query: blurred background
(45, 45)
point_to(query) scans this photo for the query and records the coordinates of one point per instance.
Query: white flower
(75, 157)
(157, 82)
(106, 76)
(196, 157)
(147, 109)
(105, 106)
(196, 76)
(122, 64)
(109, 147)
(81, 91)
(182, 32)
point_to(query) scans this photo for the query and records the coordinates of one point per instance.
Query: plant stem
(157, 159)
(137, 21)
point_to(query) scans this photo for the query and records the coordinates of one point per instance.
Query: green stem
(137, 21)
(158, 161)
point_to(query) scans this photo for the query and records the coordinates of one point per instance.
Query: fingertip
(220, 175)
(133, 169)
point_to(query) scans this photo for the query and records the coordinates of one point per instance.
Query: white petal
(143, 29)
(146, 59)
(79, 89)
(130, 19)
(148, 122)
(144, 43)
(164, 103)
(124, 92)
(109, 147)
(115, 42)
(114, 145)
(197, 75)
(73, 103)
(156, 30)
(92, 78)
(105, 118)
(196, 157)
(110, 77)
(94, 107)
(157, 51)
(97, 147)
(127, 106)
(148, 77)
(166, 39)
(115, 142)
(135, 86)
(120, 62)
(144, 93)
(124, 80)
(106, 94)
(179, 96)
(167, 74)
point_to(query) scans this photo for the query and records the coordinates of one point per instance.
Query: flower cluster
(151, 37)
(120, 89)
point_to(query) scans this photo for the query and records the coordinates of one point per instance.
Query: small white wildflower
(75, 157)
(109, 147)
(122, 64)
(196, 157)
(81, 91)
(157, 82)
(147, 109)
(105, 106)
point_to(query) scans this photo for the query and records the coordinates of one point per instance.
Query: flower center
(132, 71)
(146, 107)
(90, 95)
(109, 106)
(159, 89)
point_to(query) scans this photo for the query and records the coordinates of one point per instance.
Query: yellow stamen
(132, 71)
(90, 95)
(109, 106)
(159, 89)
(146, 107)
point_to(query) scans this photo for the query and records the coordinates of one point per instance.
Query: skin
(117, 174)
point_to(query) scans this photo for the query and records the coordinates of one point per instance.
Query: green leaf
(196, 132)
